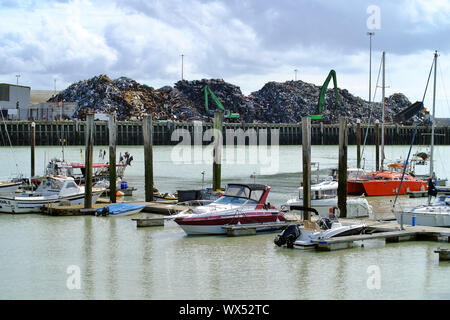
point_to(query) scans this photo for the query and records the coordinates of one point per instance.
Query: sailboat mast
(384, 105)
(432, 115)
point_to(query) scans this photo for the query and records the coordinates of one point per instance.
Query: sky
(245, 42)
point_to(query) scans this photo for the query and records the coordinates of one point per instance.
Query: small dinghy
(120, 209)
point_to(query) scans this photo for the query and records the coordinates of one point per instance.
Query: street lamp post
(182, 66)
(370, 34)
(295, 70)
(17, 76)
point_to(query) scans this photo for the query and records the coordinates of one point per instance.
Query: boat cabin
(56, 186)
(323, 190)
(77, 170)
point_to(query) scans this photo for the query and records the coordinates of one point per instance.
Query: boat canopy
(247, 191)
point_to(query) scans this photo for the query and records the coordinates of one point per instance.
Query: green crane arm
(213, 96)
(323, 91)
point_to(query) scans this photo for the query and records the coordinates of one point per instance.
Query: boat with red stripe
(242, 204)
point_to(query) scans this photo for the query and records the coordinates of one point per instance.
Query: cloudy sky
(244, 42)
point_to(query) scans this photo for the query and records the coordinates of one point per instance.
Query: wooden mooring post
(112, 157)
(148, 156)
(88, 160)
(342, 168)
(306, 159)
(217, 153)
(33, 148)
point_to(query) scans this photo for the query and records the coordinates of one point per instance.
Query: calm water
(119, 261)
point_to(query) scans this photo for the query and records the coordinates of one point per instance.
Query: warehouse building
(14, 101)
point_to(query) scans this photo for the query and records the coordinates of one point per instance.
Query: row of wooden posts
(217, 154)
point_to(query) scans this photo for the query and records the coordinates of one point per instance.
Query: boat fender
(119, 194)
(288, 236)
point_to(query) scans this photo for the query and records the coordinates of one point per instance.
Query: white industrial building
(14, 101)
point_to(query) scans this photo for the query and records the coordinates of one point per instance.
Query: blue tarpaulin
(119, 208)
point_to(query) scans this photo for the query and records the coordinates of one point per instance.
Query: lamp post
(295, 74)
(17, 76)
(370, 34)
(182, 66)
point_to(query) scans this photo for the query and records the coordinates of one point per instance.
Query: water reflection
(87, 284)
(112, 244)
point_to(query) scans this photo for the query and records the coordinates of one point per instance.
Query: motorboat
(324, 199)
(436, 214)
(53, 190)
(120, 209)
(385, 183)
(304, 237)
(8, 187)
(324, 196)
(241, 204)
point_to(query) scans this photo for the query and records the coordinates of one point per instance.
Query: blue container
(413, 222)
(123, 185)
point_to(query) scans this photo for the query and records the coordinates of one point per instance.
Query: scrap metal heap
(276, 102)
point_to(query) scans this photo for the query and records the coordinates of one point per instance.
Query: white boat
(240, 205)
(53, 191)
(324, 199)
(436, 214)
(9, 187)
(303, 237)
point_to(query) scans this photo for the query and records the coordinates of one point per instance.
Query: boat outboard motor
(288, 236)
(105, 211)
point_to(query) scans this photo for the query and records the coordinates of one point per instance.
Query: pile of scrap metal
(276, 102)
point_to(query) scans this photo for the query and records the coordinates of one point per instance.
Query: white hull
(218, 229)
(424, 219)
(356, 207)
(34, 204)
(8, 188)
(322, 206)
(305, 241)
(195, 230)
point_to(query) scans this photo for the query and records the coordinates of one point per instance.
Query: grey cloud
(337, 25)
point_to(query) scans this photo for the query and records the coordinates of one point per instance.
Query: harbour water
(118, 261)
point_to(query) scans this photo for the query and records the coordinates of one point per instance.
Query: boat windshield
(234, 200)
(238, 191)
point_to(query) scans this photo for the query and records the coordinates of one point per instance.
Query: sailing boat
(435, 214)
(385, 182)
